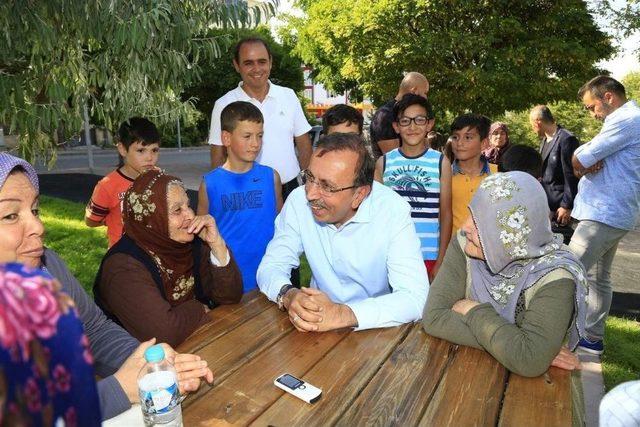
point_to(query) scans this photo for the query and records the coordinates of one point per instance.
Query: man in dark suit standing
(559, 182)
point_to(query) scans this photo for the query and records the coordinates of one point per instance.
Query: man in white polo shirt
(284, 120)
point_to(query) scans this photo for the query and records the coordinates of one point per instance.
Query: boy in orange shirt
(469, 132)
(138, 147)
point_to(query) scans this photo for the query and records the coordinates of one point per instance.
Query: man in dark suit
(559, 182)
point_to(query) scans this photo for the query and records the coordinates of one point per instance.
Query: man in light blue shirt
(608, 200)
(362, 247)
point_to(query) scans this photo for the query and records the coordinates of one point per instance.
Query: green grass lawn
(82, 249)
(621, 359)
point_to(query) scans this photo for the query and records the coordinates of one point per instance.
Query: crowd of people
(493, 244)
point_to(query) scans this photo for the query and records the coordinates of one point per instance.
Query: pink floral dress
(46, 368)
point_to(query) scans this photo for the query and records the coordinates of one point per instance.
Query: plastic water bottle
(158, 389)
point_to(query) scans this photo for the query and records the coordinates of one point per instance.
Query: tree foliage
(219, 76)
(487, 57)
(120, 57)
(625, 17)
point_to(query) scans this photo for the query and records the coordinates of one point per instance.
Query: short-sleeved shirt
(106, 203)
(612, 194)
(463, 187)
(382, 127)
(283, 120)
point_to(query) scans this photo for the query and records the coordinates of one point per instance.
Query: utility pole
(87, 137)
(179, 138)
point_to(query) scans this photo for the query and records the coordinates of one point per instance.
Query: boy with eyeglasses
(242, 195)
(469, 132)
(422, 176)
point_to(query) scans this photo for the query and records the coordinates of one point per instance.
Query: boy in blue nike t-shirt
(242, 195)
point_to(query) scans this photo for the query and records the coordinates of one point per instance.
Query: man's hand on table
(189, 367)
(311, 310)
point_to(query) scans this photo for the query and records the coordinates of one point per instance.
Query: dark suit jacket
(558, 180)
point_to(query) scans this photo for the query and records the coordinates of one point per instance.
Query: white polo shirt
(283, 120)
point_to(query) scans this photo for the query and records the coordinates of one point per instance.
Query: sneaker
(593, 347)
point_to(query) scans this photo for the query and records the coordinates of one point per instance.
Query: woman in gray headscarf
(507, 284)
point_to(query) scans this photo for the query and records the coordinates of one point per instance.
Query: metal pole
(179, 138)
(87, 137)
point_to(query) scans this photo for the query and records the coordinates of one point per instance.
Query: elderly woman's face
(498, 138)
(21, 231)
(473, 248)
(180, 214)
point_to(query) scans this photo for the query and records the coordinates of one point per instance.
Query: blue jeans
(596, 243)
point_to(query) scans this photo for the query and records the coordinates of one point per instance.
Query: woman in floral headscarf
(169, 268)
(507, 284)
(498, 142)
(46, 367)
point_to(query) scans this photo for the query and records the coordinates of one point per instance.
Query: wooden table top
(394, 376)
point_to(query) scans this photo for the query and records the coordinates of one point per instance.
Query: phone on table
(298, 388)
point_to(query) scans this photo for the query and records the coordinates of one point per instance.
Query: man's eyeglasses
(325, 189)
(418, 120)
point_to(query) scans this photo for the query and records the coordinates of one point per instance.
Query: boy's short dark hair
(138, 129)
(521, 158)
(599, 85)
(407, 101)
(341, 113)
(236, 49)
(350, 142)
(474, 121)
(239, 111)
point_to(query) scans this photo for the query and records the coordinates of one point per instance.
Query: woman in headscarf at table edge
(169, 268)
(507, 284)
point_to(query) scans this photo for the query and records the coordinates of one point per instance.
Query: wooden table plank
(224, 319)
(341, 374)
(470, 391)
(249, 391)
(401, 390)
(543, 400)
(233, 349)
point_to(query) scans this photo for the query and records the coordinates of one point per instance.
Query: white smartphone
(298, 388)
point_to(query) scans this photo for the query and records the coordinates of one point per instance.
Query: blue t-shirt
(244, 207)
(417, 180)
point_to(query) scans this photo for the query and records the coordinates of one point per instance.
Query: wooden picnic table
(393, 376)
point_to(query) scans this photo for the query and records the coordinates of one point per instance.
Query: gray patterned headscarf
(8, 163)
(511, 214)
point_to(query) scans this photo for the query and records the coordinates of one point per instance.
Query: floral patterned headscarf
(46, 372)
(511, 214)
(145, 215)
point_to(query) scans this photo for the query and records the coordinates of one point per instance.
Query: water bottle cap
(155, 353)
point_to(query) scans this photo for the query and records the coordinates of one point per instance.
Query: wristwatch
(281, 294)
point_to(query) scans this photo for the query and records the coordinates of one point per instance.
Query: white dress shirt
(372, 263)
(283, 120)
